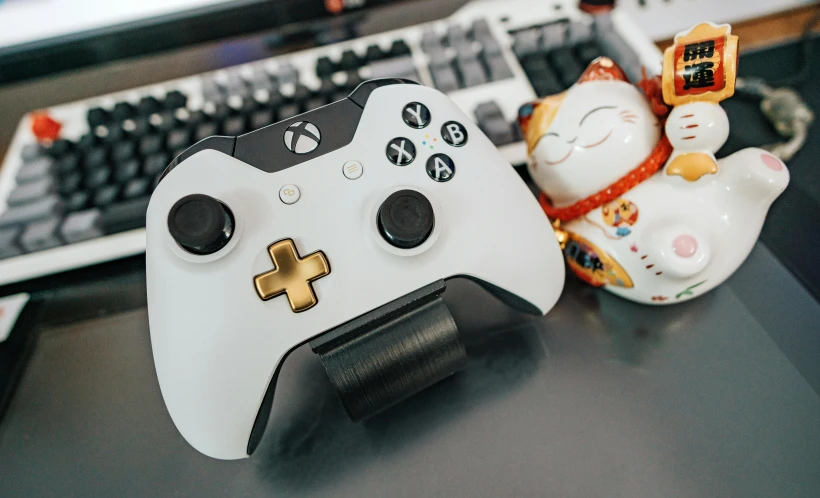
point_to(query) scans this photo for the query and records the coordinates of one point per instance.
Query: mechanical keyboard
(81, 199)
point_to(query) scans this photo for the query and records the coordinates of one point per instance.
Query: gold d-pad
(291, 275)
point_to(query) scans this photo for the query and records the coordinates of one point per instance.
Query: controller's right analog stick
(200, 224)
(406, 219)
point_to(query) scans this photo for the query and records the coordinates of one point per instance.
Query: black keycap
(314, 103)
(77, 201)
(399, 48)
(155, 164)
(149, 105)
(374, 53)
(288, 111)
(175, 99)
(150, 144)
(233, 126)
(179, 138)
(141, 126)
(163, 121)
(261, 118)
(124, 216)
(205, 130)
(124, 110)
(8, 242)
(587, 51)
(96, 178)
(194, 118)
(545, 83)
(217, 111)
(95, 158)
(276, 99)
(87, 142)
(534, 63)
(105, 195)
(70, 182)
(349, 60)
(60, 147)
(353, 80)
(324, 67)
(115, 135)
(123, 151)
(127, 170)
(68, 163)
(327, 88)
(136, 188)
(301, 93)
(567, 67)
(97, 116)
(31, 152)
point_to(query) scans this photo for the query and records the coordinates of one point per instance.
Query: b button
(454, 133)
(416, 115)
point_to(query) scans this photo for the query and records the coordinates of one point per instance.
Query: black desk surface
(714, 397)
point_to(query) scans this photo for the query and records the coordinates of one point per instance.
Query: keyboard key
(124, 110)
(261, 118)
(97, 116)
(105, 195)
(96, 178)
(124, 216)
(31, 152)
(70, 182)
(150, 144)
(205, 130)
(175, 99)
(445, 78)
(32, 191)
(80, 226)
(374, 53)
(179, 138)
(95, 158)
(67, 163)
(288, 74)
(288, 111)
(8, 242)
(350, 60)
(455, 35)
(87, 142)
(314, 103)
(77, 201)
(127, 170)
(472, 73)
(34, 170)
(498, 68)
(481, 30)
(491, 121)
(135, 188)
(60, 147)
(491, 47)
(553, 36)
(123, 151)
(399, 48)
(567, 67)
(324, 67)
(32, 211)
(148, 105)
(155, 164)
(234, 126)
(430, 40)
(394, 68)
(527, 42)
(587, 52)
(578, 32)
(41, 235)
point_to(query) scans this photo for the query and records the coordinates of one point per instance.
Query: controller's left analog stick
(201, 224)
(406, 219)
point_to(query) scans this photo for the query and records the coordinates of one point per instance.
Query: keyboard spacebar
(124, 216)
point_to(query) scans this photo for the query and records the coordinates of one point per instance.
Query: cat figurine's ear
(603, 69)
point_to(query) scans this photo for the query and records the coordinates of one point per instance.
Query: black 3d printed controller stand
(393, 352)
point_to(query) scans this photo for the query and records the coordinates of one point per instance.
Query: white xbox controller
(259, 243)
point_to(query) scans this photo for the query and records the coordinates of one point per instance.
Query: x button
(292, 275)
(401, 151)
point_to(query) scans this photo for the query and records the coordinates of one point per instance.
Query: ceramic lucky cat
(653, 237)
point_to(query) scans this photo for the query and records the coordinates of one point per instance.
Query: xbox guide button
(406, 219)
(200, 224)
(441, 168)
(401, 151)
(416, 115)
(454, 133)
(302, 137)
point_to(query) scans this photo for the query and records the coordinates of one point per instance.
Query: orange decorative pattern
(642, 172)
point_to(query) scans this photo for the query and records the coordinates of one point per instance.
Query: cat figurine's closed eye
(640, 214)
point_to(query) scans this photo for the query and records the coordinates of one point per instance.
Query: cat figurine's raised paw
(645, 208)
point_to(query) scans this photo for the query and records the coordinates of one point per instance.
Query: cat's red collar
(642, 172)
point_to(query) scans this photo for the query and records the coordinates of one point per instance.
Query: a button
(200, 224)
(406, 219)
(416, 115)
(441, 168)
(289, 194)
(401, 151)
(352, 170)
(292, 275)
(454, 133)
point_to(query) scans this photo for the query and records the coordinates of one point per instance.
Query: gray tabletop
(714, 397)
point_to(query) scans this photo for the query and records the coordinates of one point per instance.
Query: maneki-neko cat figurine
(640, 204)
